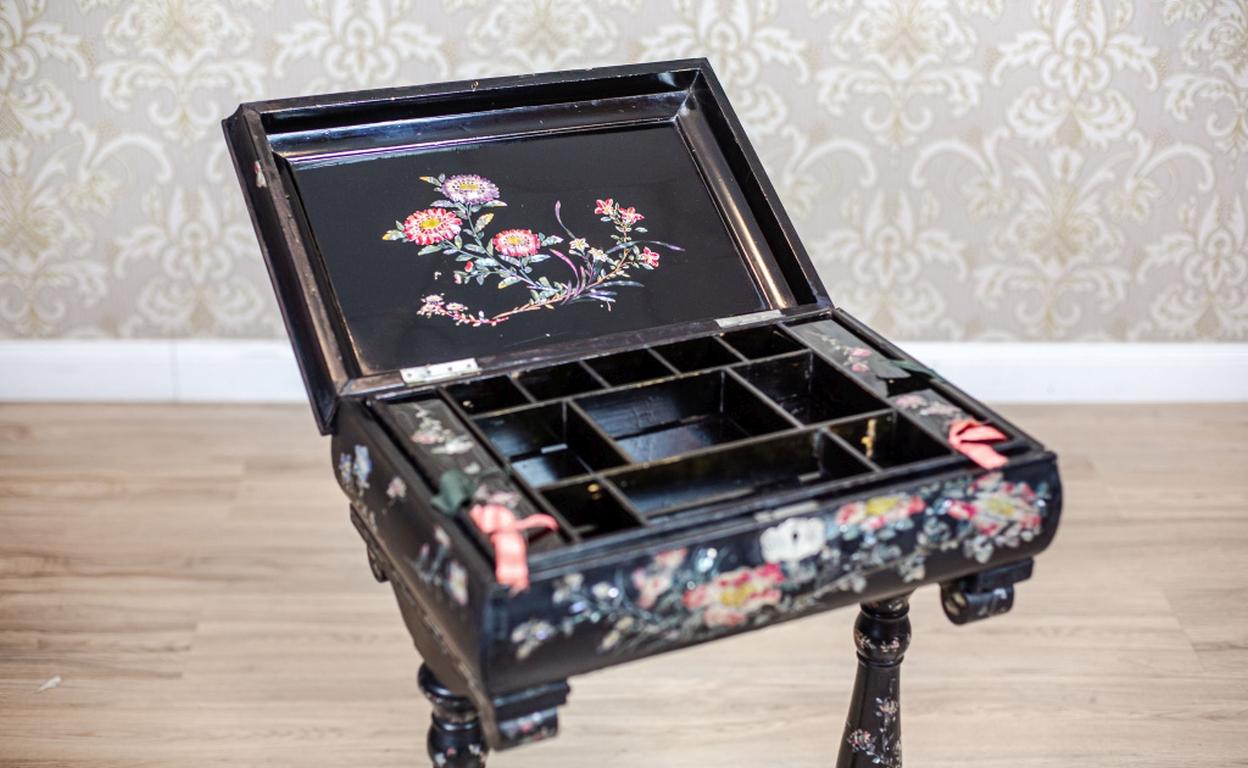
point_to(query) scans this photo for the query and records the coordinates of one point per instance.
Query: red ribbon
(506, 532)
(970, 438)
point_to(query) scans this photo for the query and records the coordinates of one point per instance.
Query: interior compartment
(629, 367)
(810, 389)
(767, 465)
(697, 354)
(485, 395)
(672, 417)
(558, 381)
(889, 439)
(549, 442)
(591, 509)
(755, 343)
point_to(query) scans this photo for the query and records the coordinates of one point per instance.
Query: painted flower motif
(457, 582)
(648, 258)
(879, 511)
(578, 244)
(597, 254)
(469, 189)
(516, 243)
(362, 467)
(397, 489)
(651, 585)
(605, 207)
(862, 741)
(1006, 506)
(793, 540)
(344, 468)
(430, 226)
(527, 637)
(731, 598)
(630, 216)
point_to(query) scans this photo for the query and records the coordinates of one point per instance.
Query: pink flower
(468, 266)
(630, 216)
(516, 243)
(859, 367)
(961, 510)
(649, 258)
(671, 559)
(859, 352)
(880, 511)
(469, 188)
(605, 207)
(430, 226)
(732, 597)
(651, 586)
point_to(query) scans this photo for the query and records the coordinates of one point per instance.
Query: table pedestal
(873, 729)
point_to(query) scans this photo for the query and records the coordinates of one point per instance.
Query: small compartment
(697, 354)
(629, 367)
(672, 417)
(861, 359)
(810, 389)
(548, 443)
(558, 381)
(755, 343)
(889, 440)
(591, 509)
(484, 395)
(767, 465)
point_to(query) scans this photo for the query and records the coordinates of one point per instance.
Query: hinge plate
(428, 374)
(753, 317)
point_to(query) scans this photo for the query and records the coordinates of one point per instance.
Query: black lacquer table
(590, 402)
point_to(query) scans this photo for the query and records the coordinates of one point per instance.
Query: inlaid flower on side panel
(1077, 48)
(361, 44)
(740, 39)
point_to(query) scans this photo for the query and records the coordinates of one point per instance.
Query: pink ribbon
(970, 438)
(506, 532)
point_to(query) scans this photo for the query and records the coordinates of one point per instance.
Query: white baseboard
(265, 371)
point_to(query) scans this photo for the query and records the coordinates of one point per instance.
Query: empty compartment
(889, 439)
(682, 415)
(810, 389)
(629, 367)
(697, 354)
(761, 342)
(591, 509)
(558, 381)
(487, 394)
(767, 465)
(548, 443)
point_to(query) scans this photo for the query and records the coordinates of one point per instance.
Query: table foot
(873, 729)
(455, 739)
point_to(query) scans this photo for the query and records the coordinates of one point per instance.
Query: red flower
(630, 215)
(649, 258)
(605, 207)
(516, 243)
(430, 226)
(468, 266)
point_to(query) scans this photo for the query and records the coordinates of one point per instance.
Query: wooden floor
(189, 575)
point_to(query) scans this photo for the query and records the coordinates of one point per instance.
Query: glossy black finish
(711, 470)
(873, 729)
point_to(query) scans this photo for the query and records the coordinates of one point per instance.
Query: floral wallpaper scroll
(1041, 170)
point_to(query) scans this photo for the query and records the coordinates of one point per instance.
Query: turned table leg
(455, 734)
(873, 728)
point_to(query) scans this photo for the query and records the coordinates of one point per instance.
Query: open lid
(421, 234)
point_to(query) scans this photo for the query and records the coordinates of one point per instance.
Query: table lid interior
(444, 230)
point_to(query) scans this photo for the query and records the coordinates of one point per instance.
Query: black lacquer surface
(351, 201)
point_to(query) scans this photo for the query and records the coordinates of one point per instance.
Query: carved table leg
(455, 734)
(873, 728)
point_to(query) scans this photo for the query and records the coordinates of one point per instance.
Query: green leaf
(429, 249)
(495, 204)
(430, 180)
(442, 204)
(394, 234)
(506, 281)
(459, 242)
(552, 240)
(454, 489)
(485, 219)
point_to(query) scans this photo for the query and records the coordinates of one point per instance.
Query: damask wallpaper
(960, 169)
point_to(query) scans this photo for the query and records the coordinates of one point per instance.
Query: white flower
(793, 540)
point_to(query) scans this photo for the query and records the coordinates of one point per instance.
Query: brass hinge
(428, 374)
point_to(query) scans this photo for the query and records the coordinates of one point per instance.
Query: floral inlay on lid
(457, 226)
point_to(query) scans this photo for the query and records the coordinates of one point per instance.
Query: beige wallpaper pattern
(982, 169)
